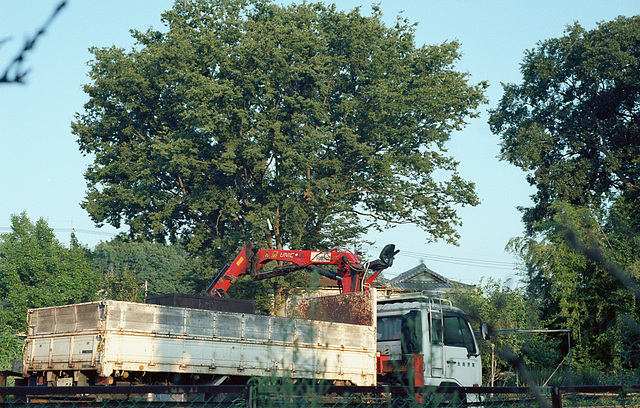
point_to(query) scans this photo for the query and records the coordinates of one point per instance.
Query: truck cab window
(436, 329)
(457, 333)
(389, 328)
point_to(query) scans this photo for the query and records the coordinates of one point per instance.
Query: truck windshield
(389, 328)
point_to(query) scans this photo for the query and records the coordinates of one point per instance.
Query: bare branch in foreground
(15, 71)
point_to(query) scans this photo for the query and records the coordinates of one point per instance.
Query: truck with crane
(356, 337)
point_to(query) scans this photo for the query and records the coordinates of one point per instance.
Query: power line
(465, 261)
(473, 262)
(69, 230)
(85, 231)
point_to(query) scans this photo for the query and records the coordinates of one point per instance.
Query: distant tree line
(37, 270)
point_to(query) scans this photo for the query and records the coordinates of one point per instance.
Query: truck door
(411, 340)
(460, 353)
(411, 333)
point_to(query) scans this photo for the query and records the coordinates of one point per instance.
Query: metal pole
(569, 350)
(493, 362)
(493, 365)
(517, 371)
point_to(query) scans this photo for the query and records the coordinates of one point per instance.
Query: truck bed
(113, 337)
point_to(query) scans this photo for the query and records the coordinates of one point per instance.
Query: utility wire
(478, 263)
(76, 230)
(472, 262)
(85, 231)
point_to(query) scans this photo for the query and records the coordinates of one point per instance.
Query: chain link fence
(317, 395)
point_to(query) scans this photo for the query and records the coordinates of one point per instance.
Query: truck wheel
(454, 398)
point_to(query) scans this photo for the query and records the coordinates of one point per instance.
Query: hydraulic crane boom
(350, 273)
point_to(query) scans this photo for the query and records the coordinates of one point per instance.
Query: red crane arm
(349, 275)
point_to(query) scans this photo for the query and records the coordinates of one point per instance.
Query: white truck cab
(428, 326)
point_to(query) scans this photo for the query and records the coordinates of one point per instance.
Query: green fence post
(249, 397)
(556, 397)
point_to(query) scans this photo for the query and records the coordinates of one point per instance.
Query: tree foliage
(271, 295)
(507, 308)
(10, 347)
(280, 125)
(133, 269)
(574, 123)
(36, 270)
(577, 292)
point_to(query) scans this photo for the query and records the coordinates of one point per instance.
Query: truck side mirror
(485, 331)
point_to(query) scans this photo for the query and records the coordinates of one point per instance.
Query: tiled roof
(422, 278)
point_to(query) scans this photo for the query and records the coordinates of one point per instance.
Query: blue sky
(41, 168)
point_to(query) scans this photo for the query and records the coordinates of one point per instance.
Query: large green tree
(281, 125)
(574, 122)
(574, 125)
(36, 270)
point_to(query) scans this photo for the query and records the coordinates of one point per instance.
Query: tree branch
(14, 72)
(379, 218)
